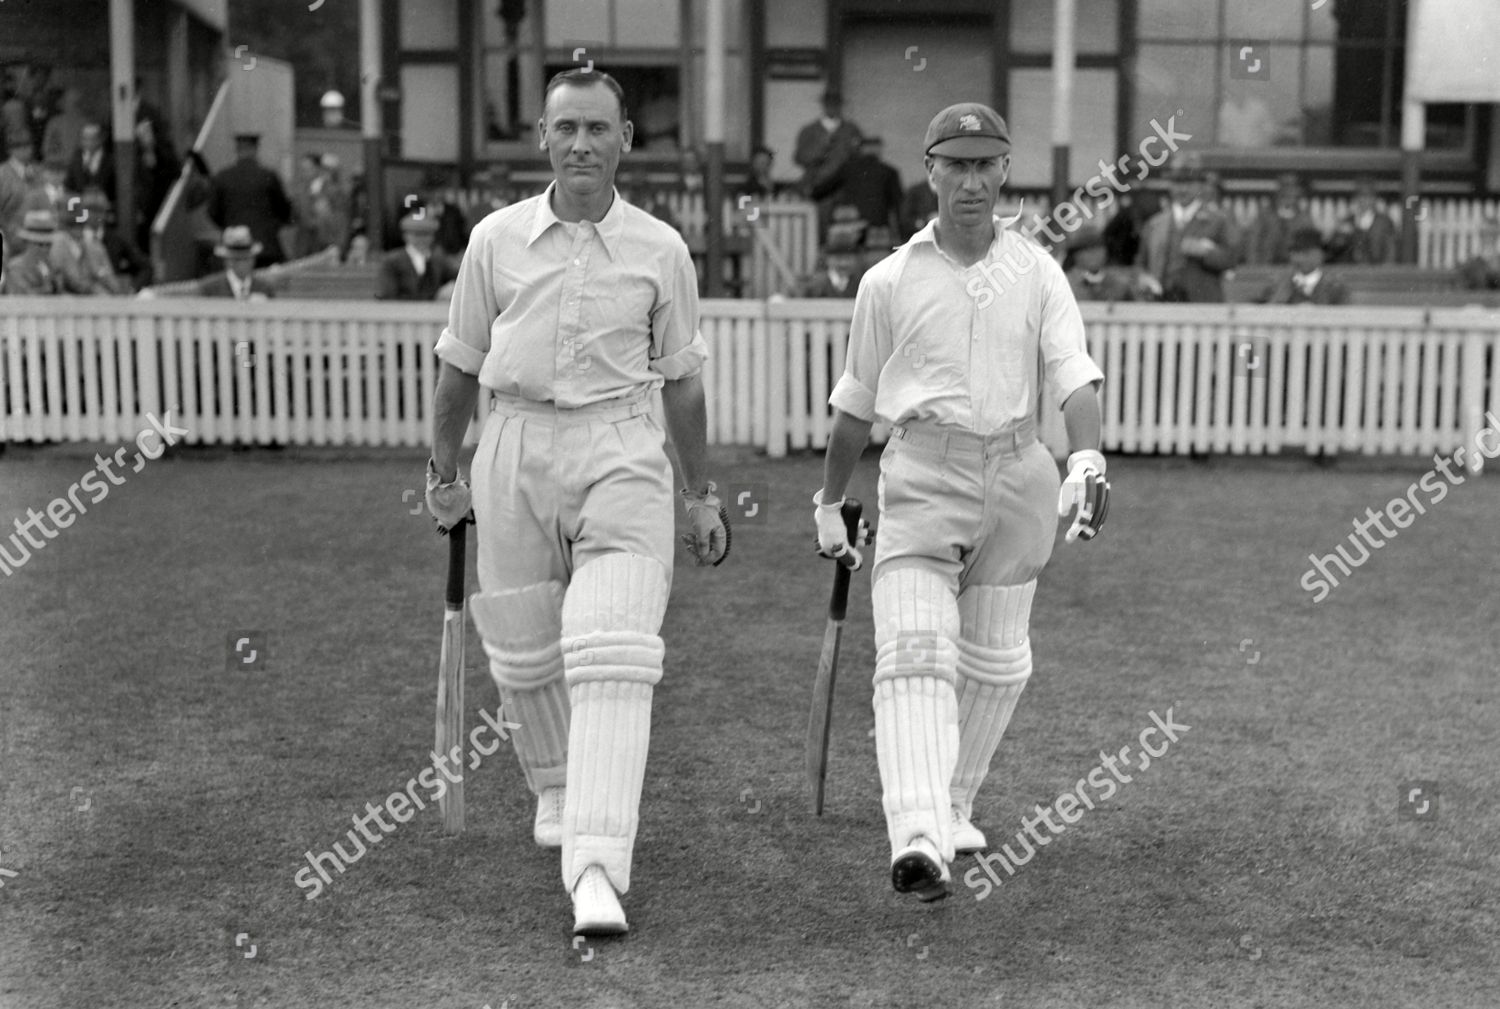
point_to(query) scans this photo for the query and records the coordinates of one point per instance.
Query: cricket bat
(450, 697)
(821, 717)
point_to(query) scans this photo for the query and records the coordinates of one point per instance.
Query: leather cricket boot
(919, 868)
(967, 838)
(547, 829)
(596, 907)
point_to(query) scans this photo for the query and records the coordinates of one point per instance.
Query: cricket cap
(967, 130)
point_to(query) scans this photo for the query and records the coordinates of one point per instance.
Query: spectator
(1187, 246)
(1270, 237)
(420, 269)
(83, 265)
(61, 138)
(633, 187)
(759, 185)
(918, 206)
(358, 253)
(1366, 234)
(30, 271)
(331, 205)
(1122, 235)
(249, 194)
(1305, 282)
(452, 229)
(156, 169)
(1482, 272)
(873, 188)
(823, 146)
(53, 190)
(838, 275)
(145, 111)
(93, 164)
(1089, 276)
(240, 251)
(309, 169)
(16, 185)
(493, 192)
(103, 243)
(689, 171)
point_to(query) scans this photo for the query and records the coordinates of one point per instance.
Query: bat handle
(457, 541)
(838, 605)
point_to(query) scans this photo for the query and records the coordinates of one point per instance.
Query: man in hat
(17, 182)
(1366, 235)
(1089, 276)
(419, 269)
(102, 259)
(1305, 282)
(31, 271)
(1482, 272)
(248, 194)
(952, 336)
(823, 146)
(1270, 237)
(239, 250)
(1189, 243)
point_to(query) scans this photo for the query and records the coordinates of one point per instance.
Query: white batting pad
(994, 663)
(916, 710)
(612, 655)
(522, 632)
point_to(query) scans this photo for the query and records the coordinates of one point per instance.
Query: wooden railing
(1183, 379)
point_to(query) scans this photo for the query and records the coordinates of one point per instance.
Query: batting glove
(1087, 491)
(709, 540)
(449, 503)
(833, 535)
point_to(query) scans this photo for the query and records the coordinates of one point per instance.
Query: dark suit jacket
(79, 179)
(1182, 277)
(399, 280)
(1270, 237)
(1376, 244)
(250, 194)
(1479, 274)
(1284, 292)
(1114, 285)
(822, 154)
(217, 286)
(870, 186)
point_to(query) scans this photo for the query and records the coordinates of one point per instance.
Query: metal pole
(369, 119)
(1064, 55)
(713, 136)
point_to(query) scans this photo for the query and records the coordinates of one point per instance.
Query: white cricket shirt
(937, 342)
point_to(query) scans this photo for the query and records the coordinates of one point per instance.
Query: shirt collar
(929, 234)
(236, 285)
(609, 229)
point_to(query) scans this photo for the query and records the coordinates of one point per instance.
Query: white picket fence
(1182, 379)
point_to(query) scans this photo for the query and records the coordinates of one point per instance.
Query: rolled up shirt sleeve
(678, 349)
(870, 346)
(1067, 366)
(473, 309)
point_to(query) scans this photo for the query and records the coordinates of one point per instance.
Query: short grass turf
(155, 805)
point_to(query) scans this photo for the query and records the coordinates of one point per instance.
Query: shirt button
(577, 262)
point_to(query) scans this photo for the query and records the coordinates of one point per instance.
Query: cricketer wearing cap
(573, 308)
(966, 493)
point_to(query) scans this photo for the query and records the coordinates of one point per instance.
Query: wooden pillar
(713, 136)
(122, 110)
(1064, 56)
(370, 120)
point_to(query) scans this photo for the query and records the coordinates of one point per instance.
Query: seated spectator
(111, 260)
(1305, 282)
(1482, 272)
(93, 164)
(418, 270)
(1366, 234)
(1270, 237)
(1089, 276)
(838, 275)
(452, 231)
(872, 187)
(238, 250)
(493, 192)
(759, 184)
(918, 206)
(17, 185)
(1189, 244)
(31, 270)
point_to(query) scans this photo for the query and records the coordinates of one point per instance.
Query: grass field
(155, 804)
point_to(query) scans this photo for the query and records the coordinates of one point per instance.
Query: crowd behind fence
(1181, 379)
